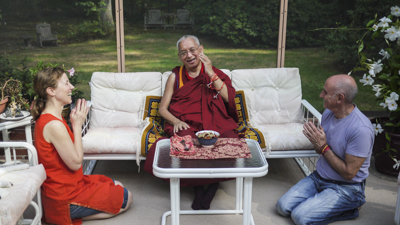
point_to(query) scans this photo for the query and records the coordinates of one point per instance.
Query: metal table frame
(6, 125)
(244, 181)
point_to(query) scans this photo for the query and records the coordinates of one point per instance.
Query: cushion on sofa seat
(153, 123)
(105, 140)
(26, 183)
(116, 97)
(244, 128)
(274, 94)
(288, 136)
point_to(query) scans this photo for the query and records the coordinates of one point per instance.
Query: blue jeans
(315, 200)
(77, 211)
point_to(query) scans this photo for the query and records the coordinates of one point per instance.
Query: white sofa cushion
(116, 97)
(274, 93)
(288, 136)
(115, 123)
(108, 140)
(26, 183)
(274, 104)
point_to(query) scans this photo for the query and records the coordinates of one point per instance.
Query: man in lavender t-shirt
(335, 191)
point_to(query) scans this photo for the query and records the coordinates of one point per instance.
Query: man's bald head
(344, 84)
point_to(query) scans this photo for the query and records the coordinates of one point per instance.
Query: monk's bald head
(344, 84)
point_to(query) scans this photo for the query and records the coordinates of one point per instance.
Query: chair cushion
(288, 136)
(26, 183)
(244, 128)
(116, 97)
(111, 140)
(153, 123)
(274, 94)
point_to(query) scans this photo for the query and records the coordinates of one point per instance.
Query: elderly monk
(197, 97)
(335, 191)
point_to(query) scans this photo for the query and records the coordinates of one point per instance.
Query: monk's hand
(316, 135)
(207, 64)
(180, 125)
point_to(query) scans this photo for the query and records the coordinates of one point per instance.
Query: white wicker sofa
(26, 180)
(272, 97)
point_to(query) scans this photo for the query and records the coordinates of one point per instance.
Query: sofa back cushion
(116, 97)
(274, 94)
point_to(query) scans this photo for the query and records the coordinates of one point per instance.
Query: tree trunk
(106, 17)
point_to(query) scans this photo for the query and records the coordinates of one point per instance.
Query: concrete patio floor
(151, 196)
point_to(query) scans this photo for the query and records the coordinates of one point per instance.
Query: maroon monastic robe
(194, 103)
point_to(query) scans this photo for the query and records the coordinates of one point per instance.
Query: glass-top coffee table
(165, 166)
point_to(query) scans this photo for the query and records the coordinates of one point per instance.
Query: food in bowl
(207, 138)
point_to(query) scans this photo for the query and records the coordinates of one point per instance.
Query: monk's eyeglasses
(185, 53)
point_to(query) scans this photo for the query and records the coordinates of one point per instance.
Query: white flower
(384, 104)
(392, 105)
(367, 80)
(393, 97)
(377, 128)
(375, 26)
(397, 164)
(385, 54)
(377, 89)
(375, 68)
(395, 11)
(350, 73)
(384, 22)
(392, 33)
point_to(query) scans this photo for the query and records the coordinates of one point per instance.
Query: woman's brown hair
(44, 79)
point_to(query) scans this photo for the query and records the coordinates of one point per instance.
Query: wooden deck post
(119, 17)
(280, 61)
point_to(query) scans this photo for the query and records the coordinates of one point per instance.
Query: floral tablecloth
(223, 148)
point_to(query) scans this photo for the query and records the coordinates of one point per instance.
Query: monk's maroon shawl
(194, 103)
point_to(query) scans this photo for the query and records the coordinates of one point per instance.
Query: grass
(155, 50)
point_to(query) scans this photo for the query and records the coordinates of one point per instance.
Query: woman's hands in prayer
(316, 135)
(79, 113)
(180, 125)
(207, 64)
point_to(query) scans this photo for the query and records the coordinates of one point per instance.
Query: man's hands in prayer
(207, 64)
(180, 125)
(316, 135)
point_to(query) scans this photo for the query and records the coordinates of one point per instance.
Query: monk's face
(189, 53)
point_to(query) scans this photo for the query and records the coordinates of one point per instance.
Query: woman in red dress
(69, 196)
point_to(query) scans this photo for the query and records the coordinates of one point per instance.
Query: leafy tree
(342, 40)
(257, 24)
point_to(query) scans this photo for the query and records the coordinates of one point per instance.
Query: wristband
(325, 150)
(323, 147)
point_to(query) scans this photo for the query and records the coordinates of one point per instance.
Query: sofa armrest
(310, 113)
(86, 124)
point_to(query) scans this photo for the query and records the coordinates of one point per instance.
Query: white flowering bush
(382, 68)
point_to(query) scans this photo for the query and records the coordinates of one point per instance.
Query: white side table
(6, 125)
(165, 166)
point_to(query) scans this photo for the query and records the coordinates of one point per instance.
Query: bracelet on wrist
(325, 150)
(223, 83)
(323, 147)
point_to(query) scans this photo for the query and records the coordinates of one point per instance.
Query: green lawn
(155, 50)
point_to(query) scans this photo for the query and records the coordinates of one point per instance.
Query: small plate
(25, 113)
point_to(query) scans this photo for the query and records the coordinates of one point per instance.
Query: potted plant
(12, 88)
(379, 58)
